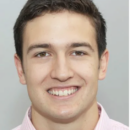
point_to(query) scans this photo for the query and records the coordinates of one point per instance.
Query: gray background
(113, 91)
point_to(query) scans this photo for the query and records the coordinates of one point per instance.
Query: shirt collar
(27, 124)
(104, 122)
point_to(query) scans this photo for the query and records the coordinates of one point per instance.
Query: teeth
(75, 90)
(65, 93)
(53, 92)
(69, 92)
(57, 93)
(62, 93)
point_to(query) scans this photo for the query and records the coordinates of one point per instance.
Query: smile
(63, 92)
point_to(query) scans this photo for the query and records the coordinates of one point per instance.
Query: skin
(61, 65)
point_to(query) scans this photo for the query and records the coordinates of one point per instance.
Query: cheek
(89, 74)
(87, 70)
(36, 74)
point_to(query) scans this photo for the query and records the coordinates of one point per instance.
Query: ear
(19, 68)
(103, 65)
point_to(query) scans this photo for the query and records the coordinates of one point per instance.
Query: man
(60, 55)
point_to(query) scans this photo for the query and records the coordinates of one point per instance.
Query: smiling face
(60, 54)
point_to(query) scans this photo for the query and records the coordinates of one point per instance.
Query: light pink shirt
(104, 123)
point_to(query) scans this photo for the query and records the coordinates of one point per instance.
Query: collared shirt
(104, 122)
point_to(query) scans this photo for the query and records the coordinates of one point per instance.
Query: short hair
(35, 8)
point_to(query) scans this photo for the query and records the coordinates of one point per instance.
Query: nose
(61, 70)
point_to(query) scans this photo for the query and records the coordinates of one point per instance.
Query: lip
(64, 97)
(63, 87)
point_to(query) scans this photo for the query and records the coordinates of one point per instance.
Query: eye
(42, 54)
(79, 53)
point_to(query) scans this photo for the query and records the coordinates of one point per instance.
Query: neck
(88, 120)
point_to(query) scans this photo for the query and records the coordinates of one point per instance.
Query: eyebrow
(73, 45)
(44, 45)
(83, 44)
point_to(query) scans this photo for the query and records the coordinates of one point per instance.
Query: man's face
(61, 66)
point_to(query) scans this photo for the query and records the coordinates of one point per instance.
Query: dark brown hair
(34, 8)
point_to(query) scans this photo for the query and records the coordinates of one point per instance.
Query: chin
(65, 116)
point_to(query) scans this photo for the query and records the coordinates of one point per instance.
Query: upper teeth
(62, 92)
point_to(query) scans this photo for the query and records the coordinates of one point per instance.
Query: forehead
(60, 29)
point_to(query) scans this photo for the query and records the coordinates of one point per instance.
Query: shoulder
(17, 128)
(118, 126)
(106, 123)
(25, 121)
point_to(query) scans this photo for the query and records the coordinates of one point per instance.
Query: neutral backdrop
(113, 91)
